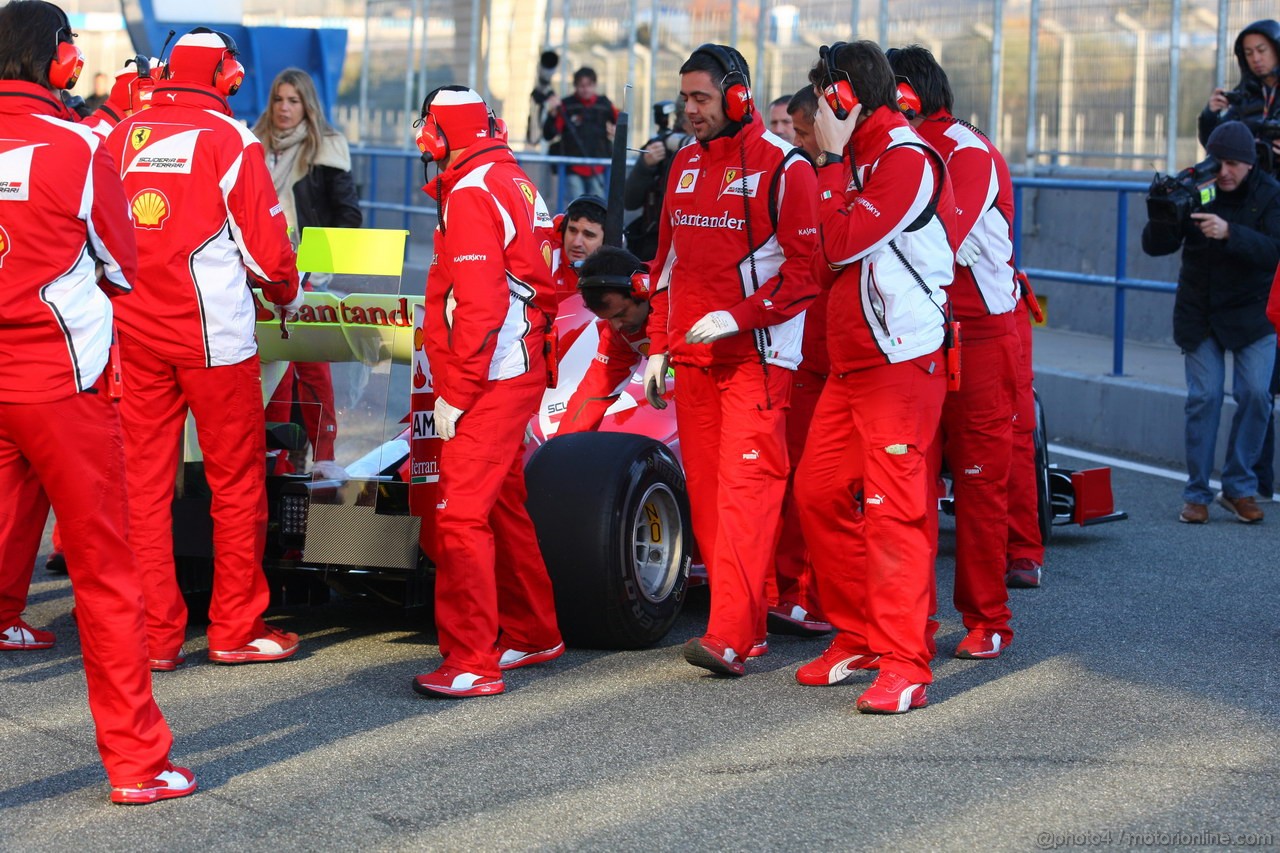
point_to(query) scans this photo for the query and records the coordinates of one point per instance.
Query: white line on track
(1116, 462)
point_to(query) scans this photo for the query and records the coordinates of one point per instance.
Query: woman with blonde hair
(310, 165)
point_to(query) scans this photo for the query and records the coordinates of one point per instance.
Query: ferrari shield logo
(527, 191)
(138, 137)
(736, 183)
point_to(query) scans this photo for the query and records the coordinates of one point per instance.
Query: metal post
(364, 80)
(426, 50)
(997, 57)
(1175, 57)
(1122, 251)
(1033, 81)
(762, 25)
(632, 12)
(473, 62)
(733, 23)
(408, 72)
(884, 23)
(855, 15)
(566, 73)
(653, 53)
(1224, 46)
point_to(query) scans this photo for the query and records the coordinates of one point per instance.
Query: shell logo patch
(688, 180)
(4, 245)
(138, 137)
(546, 252)
(150, 209)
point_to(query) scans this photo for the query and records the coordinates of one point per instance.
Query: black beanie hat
(1231, 140)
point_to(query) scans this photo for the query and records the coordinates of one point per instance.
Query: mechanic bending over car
(187, 342)
(886, 210)
(730, 290)
(615, 287)
(579, 232)
(976, 437)
(490, 304)
(60, 431)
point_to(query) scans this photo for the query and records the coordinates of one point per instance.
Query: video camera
(1173, 198)
(662, 113)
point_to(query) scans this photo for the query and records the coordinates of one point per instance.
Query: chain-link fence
(1100, 86)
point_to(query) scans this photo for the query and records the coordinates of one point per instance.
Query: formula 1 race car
(610, 507)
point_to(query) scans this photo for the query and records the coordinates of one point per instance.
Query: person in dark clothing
(647, 182)
(581, 125)
(1253, 100)
(1230, 252)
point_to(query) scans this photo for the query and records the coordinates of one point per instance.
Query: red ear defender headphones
(68, 61)
(735, 88)
(908, 100)
(838, 93)
(637, 283)
(431, 139)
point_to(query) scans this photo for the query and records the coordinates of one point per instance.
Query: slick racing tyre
(612, 516)
(1044, 503)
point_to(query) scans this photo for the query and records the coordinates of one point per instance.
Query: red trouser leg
(153, 412)
(74, 446)
(1024, 513)
(315, 393)
(977, 425)
(482, 519)
(733, 438)
(227, 404)
(792, 579)
(886, 418)
(827, 480)
(21, 528)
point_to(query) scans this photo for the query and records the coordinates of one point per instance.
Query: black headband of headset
(725, 58)
(228, 43)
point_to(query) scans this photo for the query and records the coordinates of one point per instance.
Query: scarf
(287, 169)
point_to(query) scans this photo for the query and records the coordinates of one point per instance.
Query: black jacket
(326, 197)
(1253, 94)
(1223, 284)
(583, 129)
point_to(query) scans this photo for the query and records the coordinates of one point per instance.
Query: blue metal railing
(1120, 281)
(414, 203)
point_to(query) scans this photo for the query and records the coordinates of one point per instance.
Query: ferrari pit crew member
(615, 287)
(791, 590)
(206, 216)
(886, 211)
(735, 248)
(580, 232)
(489, 309)
(63, 213)
(977, 418)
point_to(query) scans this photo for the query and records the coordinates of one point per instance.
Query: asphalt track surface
(1138, 707)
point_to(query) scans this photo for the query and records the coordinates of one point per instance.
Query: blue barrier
(1120, 281)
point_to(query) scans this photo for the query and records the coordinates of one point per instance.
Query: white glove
(447, 419)
(327, 469)
(655, 380)
(289, 311)
(969, 252)
(713, 327)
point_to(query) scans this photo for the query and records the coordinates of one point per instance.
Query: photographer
(581, 125)
(647, 181)
(1253, 100)
(1230, 251)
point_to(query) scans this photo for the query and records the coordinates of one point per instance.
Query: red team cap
(196, 56)
(461, 115)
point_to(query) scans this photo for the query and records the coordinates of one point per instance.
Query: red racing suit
(977, 419)
(618, 356)
(886, 218)
(489, 306)
(206, 217)
(62, 211)
(738, 234)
